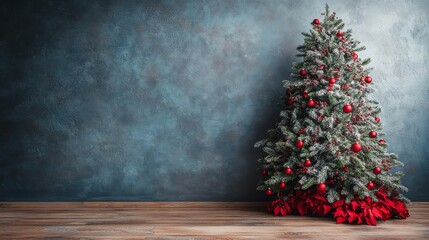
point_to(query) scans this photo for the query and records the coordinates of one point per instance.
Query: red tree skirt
(357, 211)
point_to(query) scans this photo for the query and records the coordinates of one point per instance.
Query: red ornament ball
(377, 170)
(332, 80)
(370, 185)
(372, 134)
(302, 72)
(305, 94)
(340, 34)
(290, 101)
(377, 119)
(311, 103)
(355, 56)
(347, 108)
(269, 192)
(299, 144)
(307, 163)
(368, 79)
(288, 171)
(356, 147)
(282, 184)
(381, 141)
(316, 21)
(321, 187)
(264, 172)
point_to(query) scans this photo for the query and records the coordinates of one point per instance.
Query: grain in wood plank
(191, 220)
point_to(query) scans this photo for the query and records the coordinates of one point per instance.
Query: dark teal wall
(163, 100)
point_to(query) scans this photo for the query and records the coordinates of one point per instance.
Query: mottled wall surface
(163, 100)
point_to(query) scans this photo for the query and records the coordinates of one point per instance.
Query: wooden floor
(189, 220)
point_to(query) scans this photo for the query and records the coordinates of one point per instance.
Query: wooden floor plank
(188, 220)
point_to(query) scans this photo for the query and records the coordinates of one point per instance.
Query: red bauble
(370, 185)
(340, 34)
(377, 170)
(282, 184)
(264, 172)
(332, 80)
(290, 101)
(368, 79)
(288, 171)
(269, 192)
(321, 187)
(377, 119)
(303, 72)
(299, 144)
(307, 163)
(381, 141)
(316, 21)
(355, 56)
(356, 147)
(311, 103)
(372, 134)
(305, 94)
(347, 108)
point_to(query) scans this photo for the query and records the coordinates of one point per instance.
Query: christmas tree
(326, 156)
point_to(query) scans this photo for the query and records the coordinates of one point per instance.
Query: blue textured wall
(163, 100)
